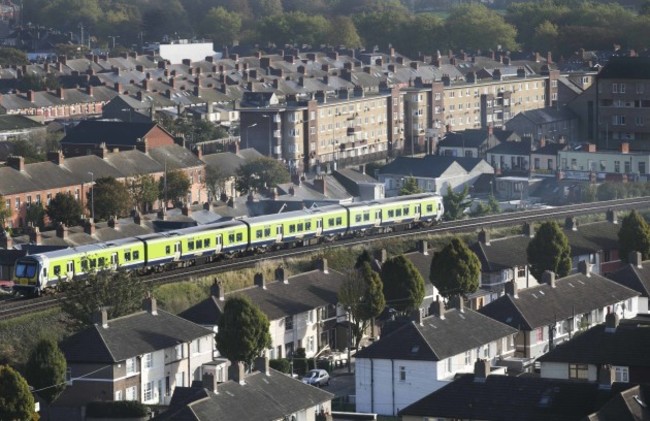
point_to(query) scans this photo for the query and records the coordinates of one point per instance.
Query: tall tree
(174, 186)
(35, 215)
(221, 25)
(5, 211)
(410, 186)
(343, 32)
(455, 203)
(549, 250)
(111, 198)
(118, 292)
(474, 26)
(65, 209)
(243, 331)
(455, 270)
(16, 401)
(361, 294)
(215, 181)
(46, 368)
(634, 235)
(403, 285)
(143, 190)
(260, 174)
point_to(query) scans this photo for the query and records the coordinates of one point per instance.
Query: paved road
(341, 383)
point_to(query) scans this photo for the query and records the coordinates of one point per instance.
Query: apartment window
(639, 120)
(614, 88)
(549, 164)
(578, 371)
(402, 373)
(628, 167)
(130, 366)
(536, 161)
(147, 360)
(617, 166)
(17, 203)
(288, 323)
(148, 391)
(521, 271)
(310, 344)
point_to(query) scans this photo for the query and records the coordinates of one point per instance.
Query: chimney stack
(89, 227)
(262, 365)
(6, 241)
(237, 372)
(635, 258)
(570, 223)
(114, 223)
(35, 236)
(584, 268)
(150, 306)
(217, 290)
(457, 302)
(100, 317)
(186, 211)
(438, 308)
(259, 280)
(606, 376)
(511, 289)
(62, 231)
(423, 247)
(381, 256)
(416, 316)
(625, 147)
(611, 216)
(611, 322)
(481, 370)
(484, 237)
(322, 265)
(16, 162)
(548, 277)
(209, 382)
(529, 230)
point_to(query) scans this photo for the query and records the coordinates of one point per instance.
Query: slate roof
(507, 398)
(550, 149)
(593, 237)
(634, 277)
(18, 122)
(627, 346)
(630, 404)
(113, 132)
(175, 157)
(437, 338)
(130, 336)
(522, 147)
(502, 253)
(543, 305)
(472, 138)
(261, 398)
(431, 166)
(303, 292)
(626, 68)
(548, 115)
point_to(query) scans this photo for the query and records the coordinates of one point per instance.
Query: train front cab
(29, 272)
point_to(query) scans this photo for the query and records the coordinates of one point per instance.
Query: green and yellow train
(36, 273)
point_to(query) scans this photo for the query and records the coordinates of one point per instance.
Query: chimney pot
(511, 288)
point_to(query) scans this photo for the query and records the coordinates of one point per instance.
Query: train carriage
(363, 216)
(402, 210)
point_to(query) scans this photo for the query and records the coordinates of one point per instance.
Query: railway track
(14, 308)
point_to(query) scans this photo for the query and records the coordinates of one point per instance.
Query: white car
(317, 377)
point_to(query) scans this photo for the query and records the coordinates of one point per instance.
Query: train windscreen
(26, 269)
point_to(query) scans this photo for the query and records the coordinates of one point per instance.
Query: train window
(429, 208)
(406, 211)
(267, 232)
(391, 213)
(439, 206)
(339, 221)
(102, 261)
(239, 236)
(331, 221)
(206, 242)
(190, 245)
(300, 227)
(57, 270)
(357, 218)
(258, 234)
(292, 228)
(136, 255)
(114, 259)
(93, 263)
(398, 212)
(308, 225)
(84, 265)
(200, 244)
(168, 249)
(231, 238)
(127, 256)
(366, 217)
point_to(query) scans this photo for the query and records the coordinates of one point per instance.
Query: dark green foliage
(35, 215)
(143, 191)
(300, 364)
(174, 186)
(403, 285)
(410, 186)
(16, 401)
(281, 364)
(364, 257)
(45, 370)
(243, 331)
(5, 212)
(634, 235)
(260, 174)
(455, 270)
(111, 198)
(65, 209)
(455, 203)
(31, 151)
(610, 191)
(119, 292)
(12, 56)
(118, 409)
(549, 250)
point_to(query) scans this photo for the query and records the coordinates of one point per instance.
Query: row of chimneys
(438, 308)
(548, 277)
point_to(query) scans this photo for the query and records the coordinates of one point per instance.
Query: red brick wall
(157, 137)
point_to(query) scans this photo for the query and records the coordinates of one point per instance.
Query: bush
(118, 409)
(281, 364)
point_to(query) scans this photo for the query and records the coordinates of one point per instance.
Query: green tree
(174, 186)
(403, 285)
(221, 25)
(243, 330)
(35, 215)
(12, 57)
(634, 235)
(455, 203)
(362, 296)
(549, 250)
(118, 292)
(546, 37)
(259, 174)
(343, 32)
(215, 181)
(111, 198)
(410, 186)
(611, 191)
(364, 257)
(474, 26)
(143, 190)
(65, 209)
(16, 401)
(455, 270)
(5, 212)
(46, 368)
(29, 150)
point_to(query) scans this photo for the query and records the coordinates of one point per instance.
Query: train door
(279, 233)
(378, 217)
(219, 243)
(319, 227)
(418, 210)
(70, 269)
(177, 250)
(114, 261)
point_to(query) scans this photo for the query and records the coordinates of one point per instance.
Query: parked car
(317, 377)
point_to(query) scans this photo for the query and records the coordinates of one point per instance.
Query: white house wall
(556, 370)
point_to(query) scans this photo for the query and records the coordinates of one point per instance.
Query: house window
(288, 323)
(617, 166)
(468, 357)
(179, 351)
(148, 391)
(148, 360)
(578, 371)
(450, 364)
(196, 346)
(130, 366)
(622, 374)
(539, 333)
(521, 271)
(642, 168)
(402, 373)
(131, 393)
(310, 344)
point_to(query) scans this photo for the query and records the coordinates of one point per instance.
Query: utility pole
(92, 195)
(112, 37)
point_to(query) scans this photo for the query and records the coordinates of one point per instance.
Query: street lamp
(270, 117)
(92, 195)
(248, 127)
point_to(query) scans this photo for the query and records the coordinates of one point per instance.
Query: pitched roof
(502, 253)
(626, 68)
(303, 292)
(437, 338)
(228, 163)
(507, 398)
(472, 138)
(130, 336)
(261, 398)
(634, 277)
(522, 147)
(431, 166)
(627, 346)
(542, 305)
(630, 404)
(113, 132)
